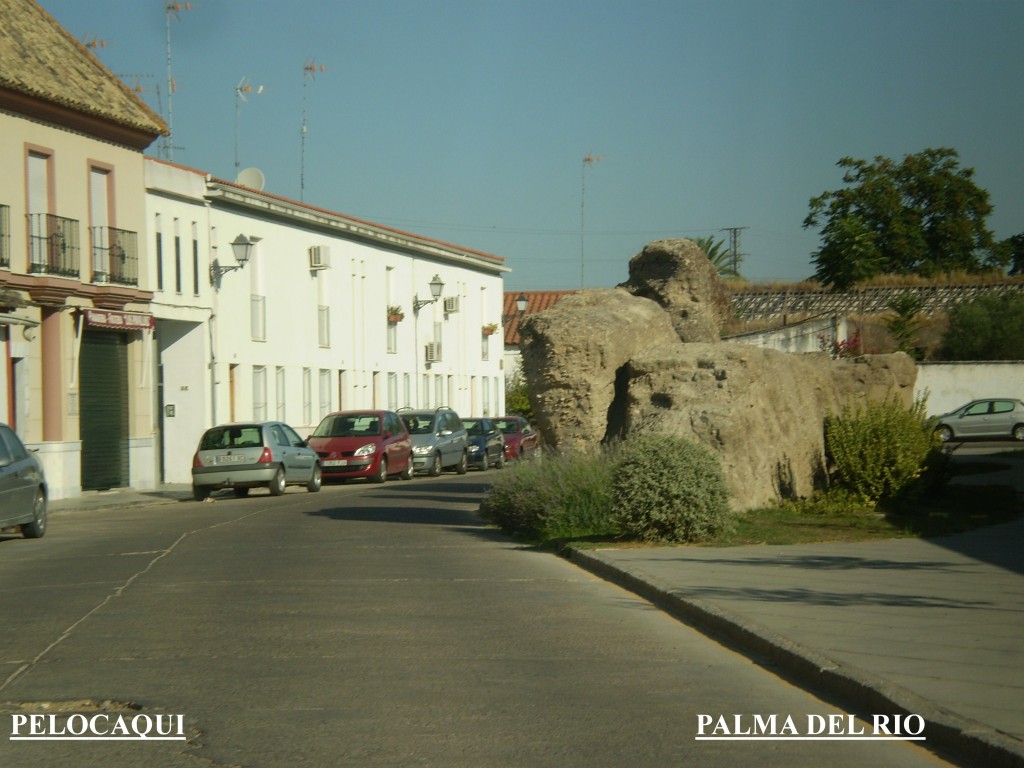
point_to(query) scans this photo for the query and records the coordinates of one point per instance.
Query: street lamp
(241, 247)
(436, 287)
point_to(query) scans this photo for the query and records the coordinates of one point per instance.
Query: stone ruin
(603, 362)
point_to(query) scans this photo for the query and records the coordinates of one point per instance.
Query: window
(195, 259)
(259, 393)
(485, 348)
(5, 236)
(177, 259)
(323, 325)
(485, 390)
(279, 391)
(407, 389)
(392, 338)
(439, 390)
(392, 391)
(307, 396)
(159, 256)
(325, 392)
(258, 312)
(426, 390)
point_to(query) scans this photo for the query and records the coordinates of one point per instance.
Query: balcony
(115, 256)
(53, 245)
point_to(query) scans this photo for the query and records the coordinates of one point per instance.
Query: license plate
(233, 459)
(335, 463)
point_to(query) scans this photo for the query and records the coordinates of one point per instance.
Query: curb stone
(958, 737)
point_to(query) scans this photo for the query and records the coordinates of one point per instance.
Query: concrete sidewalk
(932, 627)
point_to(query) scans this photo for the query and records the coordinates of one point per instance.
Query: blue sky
(468, 120)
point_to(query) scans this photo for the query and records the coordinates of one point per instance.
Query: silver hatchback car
(995, 418)
(265, 454)
(23, 491)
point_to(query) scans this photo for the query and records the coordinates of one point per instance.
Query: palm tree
(718, 255)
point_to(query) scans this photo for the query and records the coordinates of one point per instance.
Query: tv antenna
(309, 72)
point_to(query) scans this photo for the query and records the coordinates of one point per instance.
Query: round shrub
(880, 448)
(559, 496)
(666, 488)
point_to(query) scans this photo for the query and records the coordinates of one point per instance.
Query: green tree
(1015, 253)
(905, 324)
(922, 216)
(989, 328)
(720, 256)
(517, 395)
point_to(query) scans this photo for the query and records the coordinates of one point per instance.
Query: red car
(521, 441)
(371, 444)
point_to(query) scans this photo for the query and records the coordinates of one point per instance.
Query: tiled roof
(536, 301)
(41, 60)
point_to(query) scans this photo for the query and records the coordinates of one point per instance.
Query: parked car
(266, 454)
(994, 418)
(371, 444)
(521, 440)
(486, 443)
(23, 491)
(438, 440)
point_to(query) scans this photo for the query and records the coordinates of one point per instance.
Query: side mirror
(387, 434)
(444, 432)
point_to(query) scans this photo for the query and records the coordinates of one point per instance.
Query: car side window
(17, 451)
(278, 436)
(1002, 406)
(5, 453)
(977, 409)
(455, 423)
(292, 435)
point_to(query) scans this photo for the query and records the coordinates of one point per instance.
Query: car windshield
(473, 427)
(509, 427)
(234, 436)
(349, 425)
(419, 425)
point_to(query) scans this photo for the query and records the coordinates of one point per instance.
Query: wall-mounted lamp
(436, 287)
(520, 306)
(241, 247)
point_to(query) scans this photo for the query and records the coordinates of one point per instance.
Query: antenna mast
(588, 160)
(171, 9)
(309, 70)
(242, 90)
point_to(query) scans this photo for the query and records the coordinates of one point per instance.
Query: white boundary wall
(950, 385)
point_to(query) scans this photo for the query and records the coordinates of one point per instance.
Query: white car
(994, 418)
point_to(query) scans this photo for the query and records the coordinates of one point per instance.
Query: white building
(301, 326)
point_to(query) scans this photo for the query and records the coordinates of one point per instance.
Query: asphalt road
(366, 626)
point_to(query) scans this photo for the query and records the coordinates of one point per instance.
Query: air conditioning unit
(451, 304)
(434, 352)
(319, 257)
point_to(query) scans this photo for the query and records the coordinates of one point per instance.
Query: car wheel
(37, 528)
(277, 484)
(435, 468)
(500, 463)
(1018, 432)
(944, 433)
(407, 474)
(463, 464)
(486, 463)
(382, 471)
(315, 480)
(200, 492)
(240, 493)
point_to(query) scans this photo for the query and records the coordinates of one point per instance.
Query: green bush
(880, 449)
(665, 488)
(558, 496)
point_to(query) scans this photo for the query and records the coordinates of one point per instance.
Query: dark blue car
(486, 443)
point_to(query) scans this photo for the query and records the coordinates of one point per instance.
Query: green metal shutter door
(103, 400)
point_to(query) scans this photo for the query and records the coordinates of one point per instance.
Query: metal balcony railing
(5, 237)
(53, 245)
(115, 256)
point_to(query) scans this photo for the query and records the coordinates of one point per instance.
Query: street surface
(366, 626)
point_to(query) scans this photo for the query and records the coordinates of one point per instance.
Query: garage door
(103, 396)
